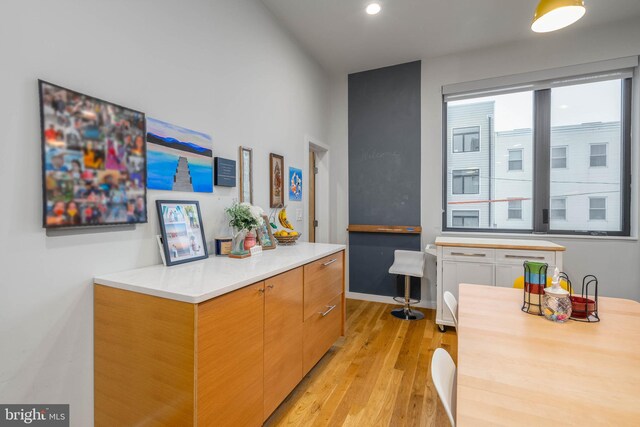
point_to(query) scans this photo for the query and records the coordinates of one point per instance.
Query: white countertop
(200, 281)
(472, 242)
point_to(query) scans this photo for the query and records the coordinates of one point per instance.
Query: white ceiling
(343, 38)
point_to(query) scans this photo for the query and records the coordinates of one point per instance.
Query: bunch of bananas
(282, 217)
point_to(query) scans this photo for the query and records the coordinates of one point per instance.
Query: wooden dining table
(519, 369)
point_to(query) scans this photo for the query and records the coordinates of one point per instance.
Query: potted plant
(244, 218)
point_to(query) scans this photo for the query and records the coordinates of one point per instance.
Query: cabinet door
(282, 337)
(506, 274)
(230, 358)
(454, 273)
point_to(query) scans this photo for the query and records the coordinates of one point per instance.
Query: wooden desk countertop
(519, 369)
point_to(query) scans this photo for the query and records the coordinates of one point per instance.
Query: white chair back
(443, 373)
(452, 305)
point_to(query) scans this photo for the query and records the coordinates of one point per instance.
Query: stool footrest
(401, 300)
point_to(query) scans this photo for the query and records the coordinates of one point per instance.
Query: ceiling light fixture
(373, 9)
(552, 15)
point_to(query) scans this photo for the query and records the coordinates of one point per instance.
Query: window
(515, 160)
(466, 181)
(558, 157)
(558, 209)
(466, 139)
(466, 219)
(598, 157)
(587, 117)
(515, 209)
(597, 208)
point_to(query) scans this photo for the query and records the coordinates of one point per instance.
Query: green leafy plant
(244, 216)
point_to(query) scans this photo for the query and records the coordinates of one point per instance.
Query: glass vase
(237, 242)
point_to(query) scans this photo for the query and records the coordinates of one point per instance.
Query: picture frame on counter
(276, 180)
(183, 238)
(246, 174)
(265, 235)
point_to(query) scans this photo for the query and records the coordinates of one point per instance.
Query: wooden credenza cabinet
(227, 361)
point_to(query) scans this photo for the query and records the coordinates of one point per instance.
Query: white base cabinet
(493, 262)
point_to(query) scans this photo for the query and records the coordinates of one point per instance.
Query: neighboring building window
(515, 209)
(558, 157)
(466, 181)
(466, 219)
(515, 160)
(466, 139)
(598, 156)
(558, 208)
(597, 208)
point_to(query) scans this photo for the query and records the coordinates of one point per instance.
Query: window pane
(468, 219)
(558, 209)
(558, 157)
(515, 209)
(558, 163)
(466, 139)
(502, 124)
(586, 119)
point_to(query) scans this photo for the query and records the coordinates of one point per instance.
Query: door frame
(321, 188)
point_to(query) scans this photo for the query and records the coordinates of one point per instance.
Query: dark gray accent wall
(384, 170)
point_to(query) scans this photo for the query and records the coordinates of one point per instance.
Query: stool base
(407, 314)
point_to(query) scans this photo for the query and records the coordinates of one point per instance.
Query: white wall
(614, 261)
(224, 67)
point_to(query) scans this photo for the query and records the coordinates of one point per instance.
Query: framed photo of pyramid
(178, 159)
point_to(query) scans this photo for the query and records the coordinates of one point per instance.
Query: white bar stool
(410, 264)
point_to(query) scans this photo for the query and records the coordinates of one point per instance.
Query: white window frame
(512, 150)
(454, 211)
(462, 170)
(606, 154)
(551, 209)
(606, 205)
(479, 140)
(509, 209)
(566, 156)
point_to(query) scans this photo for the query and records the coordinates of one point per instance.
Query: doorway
(313, 223)
(316, 196)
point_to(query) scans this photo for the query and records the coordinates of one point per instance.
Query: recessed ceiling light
(373, 9)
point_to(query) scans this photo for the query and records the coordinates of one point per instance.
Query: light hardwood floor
(377, 375)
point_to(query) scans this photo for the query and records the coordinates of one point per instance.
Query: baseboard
(386, 299)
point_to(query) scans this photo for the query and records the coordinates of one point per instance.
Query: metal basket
(286, 240)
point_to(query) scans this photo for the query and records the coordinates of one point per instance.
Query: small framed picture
(182, 231)
(246, 175)
(276, 180)
(265, 236)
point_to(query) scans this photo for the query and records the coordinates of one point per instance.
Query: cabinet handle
(523, 257)
(261, 290)
(328, 311)
(270, 286)
(466, 254)
(330, 262)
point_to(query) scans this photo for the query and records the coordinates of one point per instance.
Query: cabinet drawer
(468, 254)
(323, 280)
(321, 330)
(519, 256)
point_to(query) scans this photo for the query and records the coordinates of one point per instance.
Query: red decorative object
(582, 307)
(249, 241)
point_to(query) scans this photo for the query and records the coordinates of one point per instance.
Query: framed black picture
(94, 160)
(182, 231)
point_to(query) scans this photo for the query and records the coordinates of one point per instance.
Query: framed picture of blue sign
(224, 172)
(179, 159)
(295, 185)
(182, 231)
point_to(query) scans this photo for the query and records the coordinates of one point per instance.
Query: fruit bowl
(286, 240)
